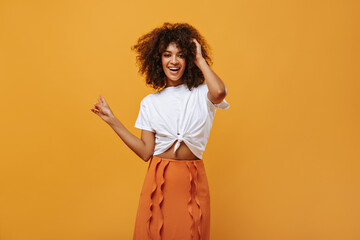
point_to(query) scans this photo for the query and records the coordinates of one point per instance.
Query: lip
(174, 72)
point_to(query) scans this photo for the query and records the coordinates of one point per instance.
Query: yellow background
(282, 161)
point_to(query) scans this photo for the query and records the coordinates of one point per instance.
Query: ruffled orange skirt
(174, 201)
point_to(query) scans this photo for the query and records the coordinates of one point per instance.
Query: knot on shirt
(180, 138)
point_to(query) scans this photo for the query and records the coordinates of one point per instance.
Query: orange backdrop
(282, 161)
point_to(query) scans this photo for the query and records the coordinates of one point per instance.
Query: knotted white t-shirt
(176, 113)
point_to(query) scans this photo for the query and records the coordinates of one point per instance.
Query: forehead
(172, 47)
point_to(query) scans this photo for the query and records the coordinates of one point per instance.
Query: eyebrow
(170, 51)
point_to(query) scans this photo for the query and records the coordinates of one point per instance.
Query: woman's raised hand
(199, 56)
(103, 110)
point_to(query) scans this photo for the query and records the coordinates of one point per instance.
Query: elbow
(146, 157)
(223, 92)
(220, 95)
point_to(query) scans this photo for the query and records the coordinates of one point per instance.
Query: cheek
(183, 62)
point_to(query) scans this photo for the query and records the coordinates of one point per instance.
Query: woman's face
(173, 63)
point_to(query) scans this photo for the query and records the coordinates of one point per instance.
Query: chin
(174, 81)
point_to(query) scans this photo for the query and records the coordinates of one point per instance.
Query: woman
(176, 121)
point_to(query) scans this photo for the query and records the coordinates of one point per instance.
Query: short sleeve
(222, 105)
(143, 119)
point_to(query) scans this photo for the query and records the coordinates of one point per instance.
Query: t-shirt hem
(222, 105)
(159, 151)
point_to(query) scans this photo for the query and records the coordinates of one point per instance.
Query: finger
(100, 99)
(94, 111)
(103, 99)
(96, 105)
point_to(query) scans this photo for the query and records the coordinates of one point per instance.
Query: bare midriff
(182, 153)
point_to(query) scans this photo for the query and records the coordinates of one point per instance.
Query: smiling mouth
(174, 69)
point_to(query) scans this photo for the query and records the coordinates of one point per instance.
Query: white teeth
(174, 69)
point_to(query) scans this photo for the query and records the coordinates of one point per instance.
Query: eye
(167, 55)
(181, 56)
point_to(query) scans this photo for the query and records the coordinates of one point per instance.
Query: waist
(174, 160)
(182, 153)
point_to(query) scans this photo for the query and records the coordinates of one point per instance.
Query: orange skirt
(174, 201)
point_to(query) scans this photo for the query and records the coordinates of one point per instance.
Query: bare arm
(143, 147)
(217, 90)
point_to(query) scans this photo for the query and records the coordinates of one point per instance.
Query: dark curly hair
(150, 46)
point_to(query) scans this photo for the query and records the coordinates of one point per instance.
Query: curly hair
(150, 46)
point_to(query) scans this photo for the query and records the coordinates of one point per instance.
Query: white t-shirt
(177, 114)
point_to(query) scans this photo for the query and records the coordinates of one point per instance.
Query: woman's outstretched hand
(199, 56)
(103, 110)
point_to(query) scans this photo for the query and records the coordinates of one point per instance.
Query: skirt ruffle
(174, 201)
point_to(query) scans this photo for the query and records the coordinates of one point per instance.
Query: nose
(173, 59)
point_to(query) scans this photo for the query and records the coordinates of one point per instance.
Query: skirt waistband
(175, 160)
